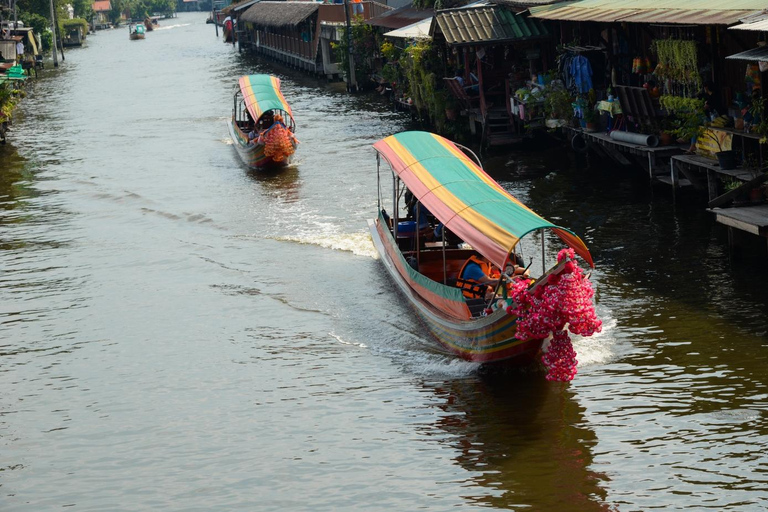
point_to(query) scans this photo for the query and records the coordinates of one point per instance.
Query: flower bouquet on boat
(262, 125)
(457, 255)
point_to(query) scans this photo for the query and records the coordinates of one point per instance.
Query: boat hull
(489, 339)
(253, 154)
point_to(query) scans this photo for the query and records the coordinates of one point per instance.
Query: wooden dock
(751, 219)
(691, 166)
(654, 160)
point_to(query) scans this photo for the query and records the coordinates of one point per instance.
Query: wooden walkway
(752, 219)
(690, 165)
(654, 160)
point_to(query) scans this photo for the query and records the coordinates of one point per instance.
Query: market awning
(486, 24)
(262, 93)
(463, 197)
(759, 54)
(691, 12)
(418, 30)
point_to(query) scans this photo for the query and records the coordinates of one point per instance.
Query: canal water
(178, 333)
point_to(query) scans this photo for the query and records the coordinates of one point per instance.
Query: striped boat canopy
(464, 198)
(262, 93)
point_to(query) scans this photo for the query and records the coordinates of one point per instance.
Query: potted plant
(591, 117)
(726, 159)
(557, 107)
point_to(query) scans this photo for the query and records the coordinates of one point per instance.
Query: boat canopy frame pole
(378, 184)
(418, 228)
(395, 187)
(445, 272)
(474, 156)
(543, 254)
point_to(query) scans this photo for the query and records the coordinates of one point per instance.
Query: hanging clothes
(581, 72)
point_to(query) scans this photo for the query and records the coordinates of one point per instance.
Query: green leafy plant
(363, 44)
(678, 61)
(557, 104)
(687, 117)
(591, 115)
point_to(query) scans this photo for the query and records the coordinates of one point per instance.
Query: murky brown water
(178, 333)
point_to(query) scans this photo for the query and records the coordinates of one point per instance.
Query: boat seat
(476, 306)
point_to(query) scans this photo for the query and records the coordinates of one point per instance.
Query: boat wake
(344, 342)
(358, 244)
(598, 348)
(169, 27)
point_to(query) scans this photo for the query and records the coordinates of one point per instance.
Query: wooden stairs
(499, 130)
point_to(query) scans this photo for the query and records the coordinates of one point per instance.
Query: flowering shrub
(562, 304)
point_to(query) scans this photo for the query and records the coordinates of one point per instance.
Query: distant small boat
(261, 111)
(229, 30)
(74, 35)
(136, 31)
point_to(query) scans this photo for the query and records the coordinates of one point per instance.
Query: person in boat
(256, 135)
(477, 278)
(515, 267)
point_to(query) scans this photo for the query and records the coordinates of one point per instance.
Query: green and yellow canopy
(262, 93)
(464, 198)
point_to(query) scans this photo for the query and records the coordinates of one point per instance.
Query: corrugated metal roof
(485, 25)
(759, 54)
(757, 22)
(402, 17)
(690, 12)
(525, 4)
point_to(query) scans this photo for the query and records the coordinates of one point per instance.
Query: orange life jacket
(469, 287)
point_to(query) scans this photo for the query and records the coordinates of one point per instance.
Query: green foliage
(421, 64)
(678, 61)
(67, 25)
(591, 115)
(558, 104)
(83, 9)
(686, 115)
(364, 43)
(39, 24)
(9, 97)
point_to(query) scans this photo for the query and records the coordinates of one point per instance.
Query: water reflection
(524, 440)
(283, 183)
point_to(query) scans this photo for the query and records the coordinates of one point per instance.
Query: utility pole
(61, 42)
(53, 31)
(351, 78)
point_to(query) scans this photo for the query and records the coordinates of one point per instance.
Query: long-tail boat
(262, 125)
(136, 31)
(477, 217)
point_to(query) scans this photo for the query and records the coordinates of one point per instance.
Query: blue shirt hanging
(581, 71)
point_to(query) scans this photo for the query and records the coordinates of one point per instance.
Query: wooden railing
(288, 44)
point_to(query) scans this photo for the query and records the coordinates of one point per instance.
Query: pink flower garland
(565, 299)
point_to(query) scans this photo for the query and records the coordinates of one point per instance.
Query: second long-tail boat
(262, 125)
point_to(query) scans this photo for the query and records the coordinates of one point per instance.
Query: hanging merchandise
(581, 71)
(752, 77)
(641, 65)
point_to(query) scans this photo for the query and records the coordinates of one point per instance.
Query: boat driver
(477, 270)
